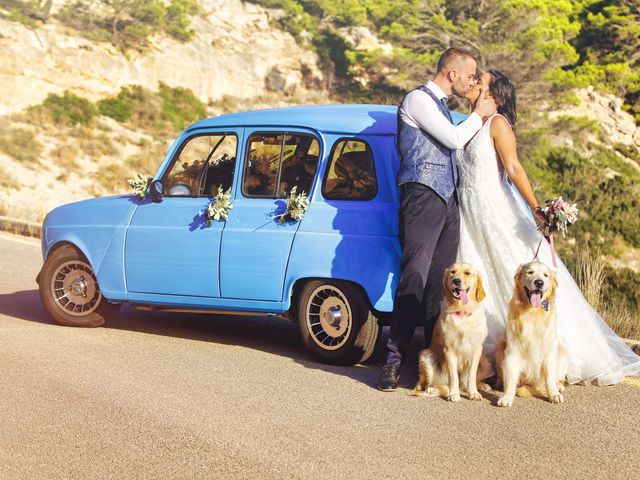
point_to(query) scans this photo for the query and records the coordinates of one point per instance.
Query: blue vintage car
(333, 271)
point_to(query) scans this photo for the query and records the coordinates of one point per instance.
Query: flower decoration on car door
(219, 207)
(297, 205)
(140, 185)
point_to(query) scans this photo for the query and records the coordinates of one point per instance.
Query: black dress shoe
(389, 378)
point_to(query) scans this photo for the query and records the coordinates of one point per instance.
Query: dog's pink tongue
(536, 299)
(463, 297)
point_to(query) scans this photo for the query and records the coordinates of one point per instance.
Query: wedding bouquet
(558, 215)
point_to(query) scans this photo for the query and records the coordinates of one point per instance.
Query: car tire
(336, 323)
(70, 292)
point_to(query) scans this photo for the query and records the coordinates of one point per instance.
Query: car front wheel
(70, 292)
(336, 324)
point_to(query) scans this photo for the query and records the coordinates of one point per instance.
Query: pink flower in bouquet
(558, 214)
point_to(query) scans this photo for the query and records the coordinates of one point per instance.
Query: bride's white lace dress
(497, 233)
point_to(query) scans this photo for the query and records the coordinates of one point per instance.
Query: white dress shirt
(419, 110)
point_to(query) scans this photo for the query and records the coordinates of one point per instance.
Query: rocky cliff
(235, 52)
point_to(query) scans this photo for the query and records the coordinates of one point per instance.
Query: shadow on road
(24, 305)
(268, 334)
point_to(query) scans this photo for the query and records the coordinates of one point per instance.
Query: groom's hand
(485, 106)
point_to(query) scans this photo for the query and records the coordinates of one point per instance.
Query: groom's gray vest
(423, 159)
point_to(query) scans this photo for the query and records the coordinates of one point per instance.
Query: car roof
(339, 118)
(371, 119)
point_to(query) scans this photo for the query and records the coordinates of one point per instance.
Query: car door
(169, 248)
(255, 244)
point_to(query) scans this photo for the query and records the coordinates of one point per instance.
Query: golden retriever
(455, 354)
(529, 358)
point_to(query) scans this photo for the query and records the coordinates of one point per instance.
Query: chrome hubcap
(75, 289)
(328, 317)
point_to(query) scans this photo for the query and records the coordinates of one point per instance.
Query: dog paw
(454, 397)
(556, 398)
(505, 401)
(432, 392)
(475, 396)
(484, 387)
(417, 393)
(561, 387)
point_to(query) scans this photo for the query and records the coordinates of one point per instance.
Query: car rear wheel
(70, 292)
(336, 324)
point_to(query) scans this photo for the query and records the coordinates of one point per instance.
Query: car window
(299, 163)
(277, 162)
(351, 174)
(204, 165)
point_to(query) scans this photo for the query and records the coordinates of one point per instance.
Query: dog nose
(457, 282)
(539, 283)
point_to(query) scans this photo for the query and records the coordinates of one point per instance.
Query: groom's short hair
(452, 54)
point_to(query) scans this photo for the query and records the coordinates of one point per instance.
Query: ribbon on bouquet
(553, 250)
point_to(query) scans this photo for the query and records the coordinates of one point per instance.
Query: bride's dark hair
(505, 94)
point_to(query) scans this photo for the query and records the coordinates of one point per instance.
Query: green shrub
(608, 203)
(180, 106)
(129, 24)
(115, 108)
(69, 109)
(167, 111)
(621, 286)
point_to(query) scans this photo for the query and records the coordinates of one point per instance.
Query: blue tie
(445, 105)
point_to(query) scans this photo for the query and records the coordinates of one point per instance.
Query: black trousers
(429, 234)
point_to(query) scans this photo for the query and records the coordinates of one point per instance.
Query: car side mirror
(155, 191)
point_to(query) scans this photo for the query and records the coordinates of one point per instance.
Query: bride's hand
(537, 211)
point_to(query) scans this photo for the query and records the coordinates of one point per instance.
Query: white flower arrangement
(297, 205)
(219, 208)
(140, 185)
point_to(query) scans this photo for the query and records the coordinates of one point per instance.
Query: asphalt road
(192, 396)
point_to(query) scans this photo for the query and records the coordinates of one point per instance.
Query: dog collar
(460, 313)
(545, 305)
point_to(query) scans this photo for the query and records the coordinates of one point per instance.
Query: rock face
(235, 52)
(618, 126)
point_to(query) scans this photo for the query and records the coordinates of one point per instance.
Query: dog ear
(479, 289)
(517, 278)
(445, 286)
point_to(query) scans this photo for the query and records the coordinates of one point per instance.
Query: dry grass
(91, 144)
(148, 159)
(21, 144)
(112, 178)
(6, 181)
(588, 270)
(624, 321)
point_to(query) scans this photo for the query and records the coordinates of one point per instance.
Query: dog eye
(467, 273)
(453, 272)
(546, 275)
(530, 272)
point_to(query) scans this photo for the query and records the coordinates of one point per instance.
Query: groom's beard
(461, 90)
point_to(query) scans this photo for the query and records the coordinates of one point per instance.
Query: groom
(429, 227)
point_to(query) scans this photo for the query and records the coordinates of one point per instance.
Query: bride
(497, 234)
